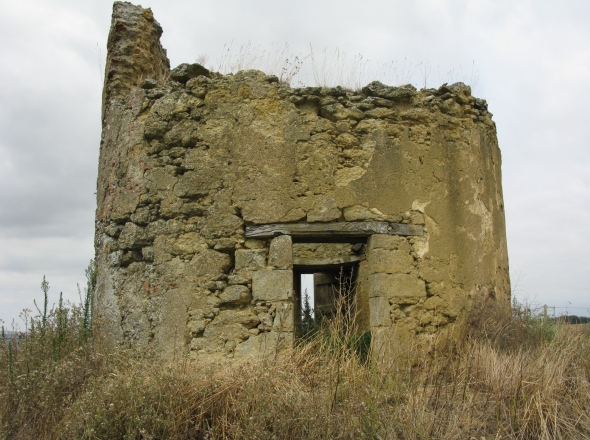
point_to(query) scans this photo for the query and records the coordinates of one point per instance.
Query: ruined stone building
(217, 192)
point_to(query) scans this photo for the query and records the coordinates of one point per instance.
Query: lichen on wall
(190, 158)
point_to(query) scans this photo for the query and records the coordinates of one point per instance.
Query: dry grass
(275, 60)
(519, 378)
(331, 68)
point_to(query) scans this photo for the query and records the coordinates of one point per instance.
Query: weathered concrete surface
(190, 158)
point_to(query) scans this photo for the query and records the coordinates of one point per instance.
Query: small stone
(347, 140)
(271, 79)
(343, 126)
(224, 244)
(335, 91)
(115, 258)
(141, 216)
(252, 243)
(215, 285)
(381, 112)
(113, 230)
(399, 94)
(155, 93)
(357, 247)
(130, 257)
(337, 112)
(237, 279)
(133, 237)
(311, 91)
(362, 213)
(296, 99)
(149, 83)
(417, 218)
(328, 100)
(293, 215)
(266, 320)
(197, 326)
(480, 104)
(186, 71)
(148, 253)
(389, 242)
(260, 309)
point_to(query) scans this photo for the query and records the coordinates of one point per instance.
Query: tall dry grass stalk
(331, 68)
(276, 60)
(510, 379)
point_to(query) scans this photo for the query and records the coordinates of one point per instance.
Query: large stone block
(250, 259)
(389, 261)
(272, 285)
(396, 286)
(324, 210)
(379, 312)
(280, 255)
(284, 317)
(236, 294)
(390, 242)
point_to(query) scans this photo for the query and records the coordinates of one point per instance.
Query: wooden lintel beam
(332, 230)
(343, 260)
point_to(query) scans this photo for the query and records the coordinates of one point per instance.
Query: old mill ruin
(217, 192)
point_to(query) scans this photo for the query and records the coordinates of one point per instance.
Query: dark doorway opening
(329, 291)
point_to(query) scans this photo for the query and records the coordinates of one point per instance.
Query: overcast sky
(529, 59)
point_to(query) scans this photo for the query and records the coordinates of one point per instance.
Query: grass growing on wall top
(330, 68)
(511, 377)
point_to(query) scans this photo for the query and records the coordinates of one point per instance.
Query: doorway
(324, 293)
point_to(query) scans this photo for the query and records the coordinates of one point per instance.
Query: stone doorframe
(379, 274)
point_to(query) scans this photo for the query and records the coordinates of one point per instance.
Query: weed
(516, 378)
(329, 68)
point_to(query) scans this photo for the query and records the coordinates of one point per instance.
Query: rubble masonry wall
(189, 159)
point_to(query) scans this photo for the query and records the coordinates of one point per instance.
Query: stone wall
(192, 160)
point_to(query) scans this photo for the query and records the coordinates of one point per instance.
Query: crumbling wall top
(134, 51)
